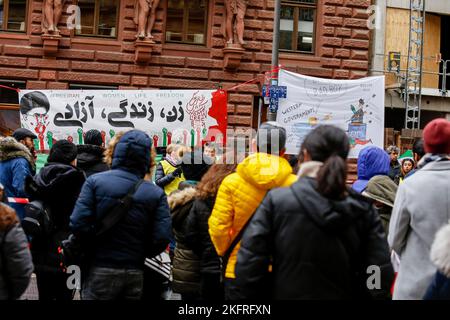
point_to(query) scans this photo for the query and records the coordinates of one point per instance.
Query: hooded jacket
(372, 161)
(145, 231)
(440, 256)
(318, 248)
(58, 186)
(240, 194)
(90, 159)
(186, 263)
(15, 258)
(16, 163)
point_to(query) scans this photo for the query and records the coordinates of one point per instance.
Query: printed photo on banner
(190, 117)
(356, 106)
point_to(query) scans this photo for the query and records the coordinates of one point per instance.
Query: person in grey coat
(421, 209)
(16, 264)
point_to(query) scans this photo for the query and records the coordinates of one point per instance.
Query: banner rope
(10, 88)
(272, 71)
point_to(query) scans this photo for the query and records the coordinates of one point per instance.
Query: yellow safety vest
(168, 168)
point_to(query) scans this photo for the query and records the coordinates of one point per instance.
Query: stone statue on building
(51, 14)
(234, 21)
(144, 18)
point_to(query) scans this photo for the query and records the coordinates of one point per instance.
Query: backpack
(37, 222)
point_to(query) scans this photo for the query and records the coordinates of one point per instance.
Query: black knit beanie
(194, 165)
(63, 151)
(94, 137)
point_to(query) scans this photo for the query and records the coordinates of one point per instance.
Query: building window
(187, 21)
(13, 15)
(297, 25)
(98, 18)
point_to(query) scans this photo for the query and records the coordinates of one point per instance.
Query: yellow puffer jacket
(240, 194)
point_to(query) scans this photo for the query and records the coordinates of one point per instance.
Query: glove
(177, 172)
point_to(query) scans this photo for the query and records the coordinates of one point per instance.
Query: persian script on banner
(168, 116)
(356, 106)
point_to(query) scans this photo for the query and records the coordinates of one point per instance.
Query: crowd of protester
(269, 227)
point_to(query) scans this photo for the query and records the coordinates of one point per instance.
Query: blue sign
(275, 93)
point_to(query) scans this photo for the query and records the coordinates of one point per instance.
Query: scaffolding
(413, 79)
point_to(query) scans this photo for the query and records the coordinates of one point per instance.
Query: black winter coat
(90, 159)
(58, 186)
(318, 248)
(186, 263)
(15, 259)
(198, 238)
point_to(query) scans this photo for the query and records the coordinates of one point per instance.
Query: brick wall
(342, 44)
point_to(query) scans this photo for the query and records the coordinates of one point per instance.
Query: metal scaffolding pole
(414, 70)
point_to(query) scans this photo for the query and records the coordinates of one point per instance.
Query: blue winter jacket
(146, 229)
(439, 288)
(372, 161)
(16, 164)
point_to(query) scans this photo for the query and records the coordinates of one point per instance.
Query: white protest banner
(356, 106)
(179, 116)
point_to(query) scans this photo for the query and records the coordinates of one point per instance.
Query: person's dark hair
(210, 183)
(419, 148)
(329, 145)
(268, 131)
(93, 137)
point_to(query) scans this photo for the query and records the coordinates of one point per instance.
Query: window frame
(97, 20)
(185, 24)
(297, 6)
(4, 27)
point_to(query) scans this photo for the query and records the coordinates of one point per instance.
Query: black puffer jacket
(90, 159)
(15, 259)
(320, 249)
(58, 186)
(198, 238)
(186, 264)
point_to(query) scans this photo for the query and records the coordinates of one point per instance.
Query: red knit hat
(436, 136)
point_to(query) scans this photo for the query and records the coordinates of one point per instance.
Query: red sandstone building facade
(323, 38)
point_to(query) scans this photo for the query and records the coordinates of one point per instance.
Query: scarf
(429, 157)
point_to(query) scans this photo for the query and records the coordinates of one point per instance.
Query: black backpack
(38, 222)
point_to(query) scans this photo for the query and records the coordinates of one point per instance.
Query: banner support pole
(272, 114)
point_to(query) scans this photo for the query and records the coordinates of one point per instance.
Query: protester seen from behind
(197, 235)
(16, 263)
(420, 210)
(316, 238)
(187, 262)
(90, 154)
(382, 190)
(439, 288)
(116, 257)
(58, 186)
(372, 161)
(241, 193)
